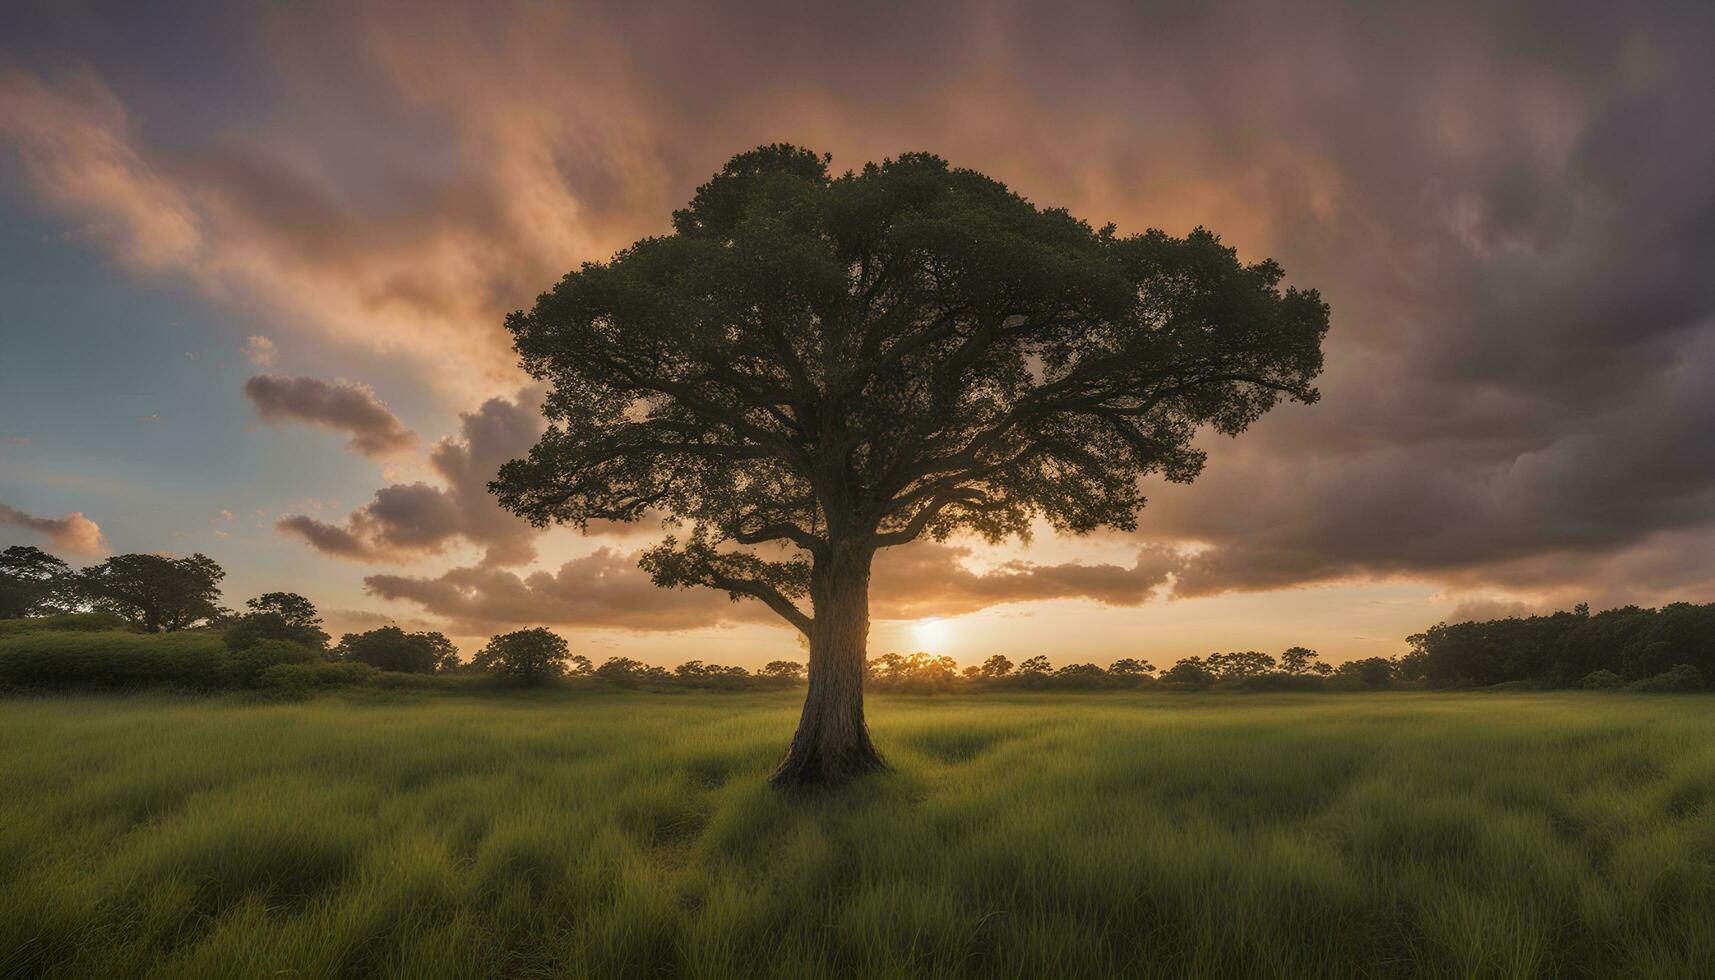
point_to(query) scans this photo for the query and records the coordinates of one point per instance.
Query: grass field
(582, 833)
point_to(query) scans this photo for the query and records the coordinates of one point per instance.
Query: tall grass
(586, 833)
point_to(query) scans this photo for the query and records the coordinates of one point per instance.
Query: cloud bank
(1509, 210)
(343, 406)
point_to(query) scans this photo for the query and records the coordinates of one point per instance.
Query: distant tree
(886, 665)
(1239, 664)
(1130, 667)
(34, 583)
(623, 671)
(391, 648)
(837, 365)
(579, 666)
(690, 668)
(1080, 674)
(995, 666)
(786, 670)
(1370, 671)
(1036, 665)
(446, 653)
(1189, 671)
(277, 616)
(154, 592)
(1302, 660)
(292, 608)
(529, 656)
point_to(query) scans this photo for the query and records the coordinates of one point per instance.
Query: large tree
(811, 368)
(528, 656)
(155, 592)
(33, 583)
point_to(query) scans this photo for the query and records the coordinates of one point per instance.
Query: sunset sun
(933, 635)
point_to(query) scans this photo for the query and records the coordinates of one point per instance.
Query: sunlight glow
(933, 635)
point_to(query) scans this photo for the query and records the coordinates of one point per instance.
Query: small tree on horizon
(810, 368)
(1303, 660)
(787, 670)
(154, 592)
(530, 656)
(1131, 667)
(391, 648)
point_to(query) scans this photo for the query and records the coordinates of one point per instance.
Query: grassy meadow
(584, 833)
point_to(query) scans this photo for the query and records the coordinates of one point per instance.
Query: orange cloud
(73, 532)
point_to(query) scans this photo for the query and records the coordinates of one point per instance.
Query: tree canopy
(154, 592)
(33, 583)
(391, 648)
(529, 656)
(812, 367)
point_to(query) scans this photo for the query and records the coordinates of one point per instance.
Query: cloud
(404, 521)
(930, 579)
(343, 406)
(606, 589)
(1511, 216)
(260, 351)
(73, 532)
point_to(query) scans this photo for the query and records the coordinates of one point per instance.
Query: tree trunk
(832, 743)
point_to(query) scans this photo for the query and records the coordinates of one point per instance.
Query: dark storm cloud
(342, 406)
(1509, 207)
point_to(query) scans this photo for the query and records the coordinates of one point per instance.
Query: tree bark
(832, 743)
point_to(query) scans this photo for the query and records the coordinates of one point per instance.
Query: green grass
(427, 834)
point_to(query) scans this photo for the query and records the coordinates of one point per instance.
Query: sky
(254, 261)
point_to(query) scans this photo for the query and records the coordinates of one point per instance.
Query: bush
(298, 680)
(1603, 680)
(249, 664)
(78, 622)
(264, 627)
(1683, 677)
(1279, 680)
(64, 658)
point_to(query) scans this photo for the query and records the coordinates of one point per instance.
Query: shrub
(1280, 680)
(1602, 680)
(262, 627)
(297, 680)
(247, 665)
(63, 658)
(1683, 677)
(93, 622)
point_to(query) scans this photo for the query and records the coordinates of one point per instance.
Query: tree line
(277, 642)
